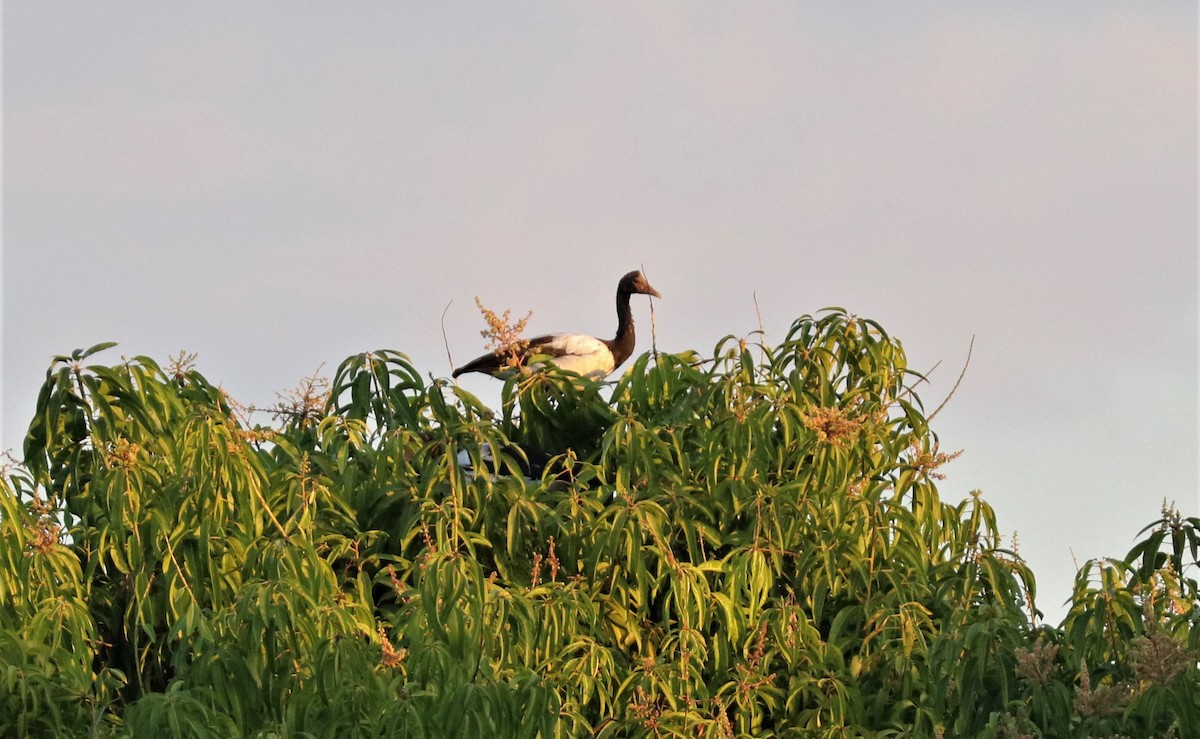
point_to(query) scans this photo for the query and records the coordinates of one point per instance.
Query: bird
(585, 355)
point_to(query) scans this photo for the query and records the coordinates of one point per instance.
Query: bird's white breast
(579, 353)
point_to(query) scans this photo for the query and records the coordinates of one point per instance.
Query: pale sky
(276, 186)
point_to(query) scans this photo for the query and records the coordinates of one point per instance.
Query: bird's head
(634, 282)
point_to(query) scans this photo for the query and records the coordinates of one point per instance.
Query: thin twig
(653, 323)
(921, 378)
(762, 331)
(957, 383)
(171, 554)
(270, 514)
(446, 341)
(653, 331)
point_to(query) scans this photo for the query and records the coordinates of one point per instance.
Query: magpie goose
(586, 355)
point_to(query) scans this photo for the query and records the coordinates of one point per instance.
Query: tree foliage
(752, 545)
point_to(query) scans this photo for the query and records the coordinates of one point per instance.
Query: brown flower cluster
(1036, 664)
(647, 709)
(926, 461)
(123, 453)
(181, 365)
(306, 402)
(392, 657)
(833, 425)
(504, 336)
(551, 559)
(1158, 659)
(45, 531)
(1104, 700)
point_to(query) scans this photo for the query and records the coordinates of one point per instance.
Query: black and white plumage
(585, 355)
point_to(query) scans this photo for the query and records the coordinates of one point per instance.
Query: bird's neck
(623, 343)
